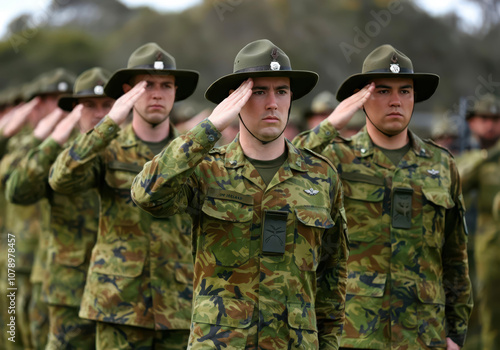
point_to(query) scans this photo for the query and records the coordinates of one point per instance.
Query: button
(363, 150)
(211, 138)
(233, 162)
(327, 133)
(111, 128)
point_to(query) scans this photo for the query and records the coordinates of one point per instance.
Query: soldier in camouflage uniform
(269, 235)
(139, 283)
(408, 285)
(479, 170)
(73, 218)
(30, 223)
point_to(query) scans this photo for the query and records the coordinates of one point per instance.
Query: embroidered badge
(433, 172)
(311, 192)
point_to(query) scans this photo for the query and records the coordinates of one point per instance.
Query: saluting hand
(47, 124)
(124, 104)
(63, 130)
(346, 109)
(230, 107)
(16, 119)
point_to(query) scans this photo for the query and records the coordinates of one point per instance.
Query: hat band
(261, 68)
(387, 70)
(151, 66)
(86, 92)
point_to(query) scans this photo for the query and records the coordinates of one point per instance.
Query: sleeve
(164, 187)
(28, 183)
(316, 139)
(16, 150)
(3, 145)
(78, 167)
(456, 281)
(332, 277)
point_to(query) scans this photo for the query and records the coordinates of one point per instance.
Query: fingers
(63, 130)
(124, 104)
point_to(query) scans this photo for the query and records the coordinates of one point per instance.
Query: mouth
(271, 118)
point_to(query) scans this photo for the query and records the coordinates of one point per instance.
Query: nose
(395, 100)
(271, 102)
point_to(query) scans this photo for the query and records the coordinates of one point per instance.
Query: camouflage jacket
(22, 221)
(244, 297)
(73, 224)
(408, 285)
(141, 269)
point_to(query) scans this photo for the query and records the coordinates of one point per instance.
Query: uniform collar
(128, 138)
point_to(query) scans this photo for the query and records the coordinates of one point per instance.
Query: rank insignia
(311, 192)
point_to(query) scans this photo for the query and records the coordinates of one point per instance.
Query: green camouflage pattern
(407, 288)
(479, 172)
(38, 318)
(244, 299)
(68, 331)
(141, 268)
(73, 222)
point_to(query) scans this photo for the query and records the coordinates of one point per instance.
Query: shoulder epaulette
(322, 157)
(433, 143)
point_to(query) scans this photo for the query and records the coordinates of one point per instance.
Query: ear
(126, 87)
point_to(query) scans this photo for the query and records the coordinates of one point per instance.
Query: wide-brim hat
(387, 62)
(488, 105)
(88, 84)
(153, 60)
(262, 58)
(55, 82)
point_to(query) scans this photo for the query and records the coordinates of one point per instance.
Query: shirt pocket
(437, 201)
(123, 258)
(226, 230)
(311, 224)
(302, 321)
(431, 313)
(364, 201)
(72, 258)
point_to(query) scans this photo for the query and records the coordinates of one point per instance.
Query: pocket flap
(315, 217)
(227, 210)
(222, 311)
(363, 191)
(126, 260)
(69, 258)
(367, 284)
(302, 316)
(439, 197)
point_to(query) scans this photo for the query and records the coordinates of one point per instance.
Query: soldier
(29, 224)
(268, 222)
(408, 285)
(139, 283)
(73, 218)
(479, 171)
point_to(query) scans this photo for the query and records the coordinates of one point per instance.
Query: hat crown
(261, 55)
(383, 59)
(488, 104)
(90, 80)
(151, 56)
(57, 81)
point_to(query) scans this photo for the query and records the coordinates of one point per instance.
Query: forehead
(393, 82)
(154, 78)
(271, 81)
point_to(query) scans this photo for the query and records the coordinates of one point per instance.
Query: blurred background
(456, 39)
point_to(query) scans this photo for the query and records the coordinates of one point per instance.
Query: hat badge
(98, 90)
(159, 63)
(394, 65)
(62, 86)
(274, 63)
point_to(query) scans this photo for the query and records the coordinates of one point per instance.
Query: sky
(12, 9)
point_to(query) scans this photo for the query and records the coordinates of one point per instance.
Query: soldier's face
(48, 102)
(155, 105)
(266, 112)
(485, 128)
(94, 109)
(390, 106)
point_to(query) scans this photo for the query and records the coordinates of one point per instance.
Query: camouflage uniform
(25, 223)
(245, 298)
(141, 269)
(406, 287)
(73, 229)
(480, 172)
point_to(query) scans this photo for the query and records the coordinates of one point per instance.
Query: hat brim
(68, 102)
(301, 83)
(185, 80)
(424, 84)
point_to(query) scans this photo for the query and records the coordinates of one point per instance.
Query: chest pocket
(437, 201)
(311, 224)
(226, 229)
(364, 197)
(120, 175)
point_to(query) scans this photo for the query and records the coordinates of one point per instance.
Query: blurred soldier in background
(30, 224)
(73, 218)
(139, 283)
(444, 132)
(480, 171)
(321, 106)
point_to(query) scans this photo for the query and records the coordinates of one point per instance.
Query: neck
(254, 149)
(149, 132)
(387, 142)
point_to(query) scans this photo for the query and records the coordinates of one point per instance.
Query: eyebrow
(281, 87)
(381, 86)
